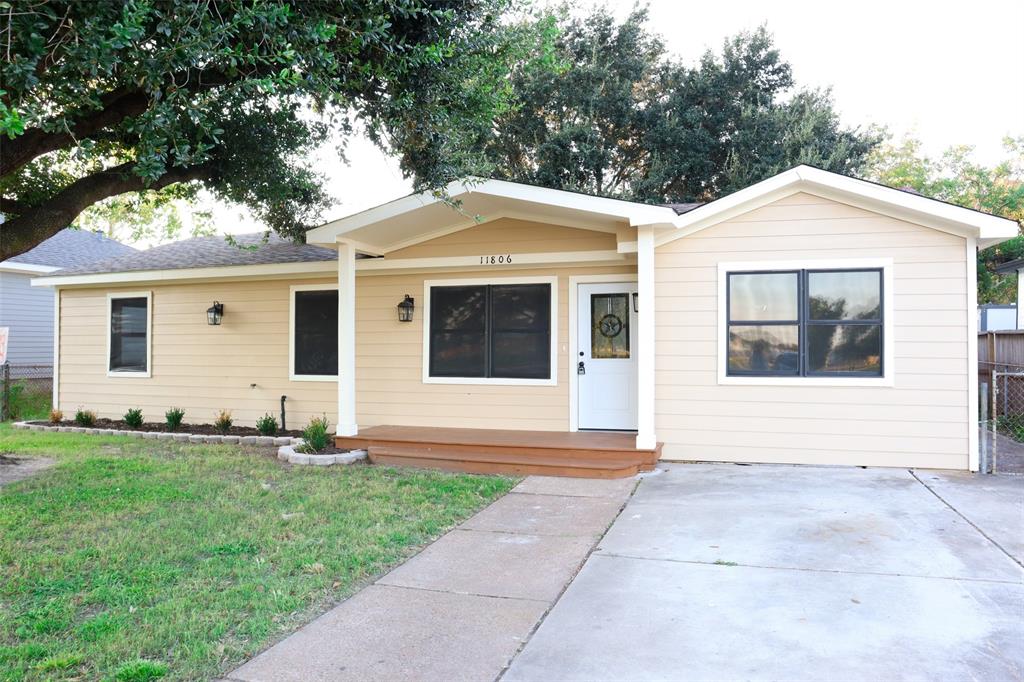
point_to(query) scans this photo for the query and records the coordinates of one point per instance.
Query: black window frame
(294, 322)
(487, 372)
(112, 336)
(804, 321)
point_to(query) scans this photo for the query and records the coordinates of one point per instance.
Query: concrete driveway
(725, 572)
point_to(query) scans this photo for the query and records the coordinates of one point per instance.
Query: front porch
(582, 454)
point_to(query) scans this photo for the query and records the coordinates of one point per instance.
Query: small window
(805, 323)
(129, 335)
(499, 331)
(315, 334)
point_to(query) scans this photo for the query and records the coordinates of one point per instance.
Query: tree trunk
(38, 224)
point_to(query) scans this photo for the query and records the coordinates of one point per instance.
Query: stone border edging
(167, 435)
(287, 453)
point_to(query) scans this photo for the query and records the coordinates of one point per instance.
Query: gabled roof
(67, 249)
(1011, 266)
(988, 229)
(420, 217)
(204, 252)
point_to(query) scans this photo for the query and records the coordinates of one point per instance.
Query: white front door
(605, 361)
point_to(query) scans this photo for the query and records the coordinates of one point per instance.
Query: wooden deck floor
(588, 454)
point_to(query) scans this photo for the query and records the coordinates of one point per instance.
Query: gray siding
(28, 311)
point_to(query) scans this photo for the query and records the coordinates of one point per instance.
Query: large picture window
(314, 347)
(490, 331)
(805, 323)
(128, 341)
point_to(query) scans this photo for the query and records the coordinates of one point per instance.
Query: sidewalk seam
(972, 524)
(461, 594)
(809, 570)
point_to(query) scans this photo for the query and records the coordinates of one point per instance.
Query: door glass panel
(764, 348)
(609, 326)
(845, 295)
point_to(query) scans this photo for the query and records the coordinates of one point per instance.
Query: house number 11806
(496, 260)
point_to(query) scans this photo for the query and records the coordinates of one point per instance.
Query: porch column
(645, 436)
(346, 339)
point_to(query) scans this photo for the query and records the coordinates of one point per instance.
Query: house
(1014, 267)
(28, 312)
(994, 317)
(810, 318)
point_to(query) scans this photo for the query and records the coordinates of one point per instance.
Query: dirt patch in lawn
(18, 468)
(200, 429)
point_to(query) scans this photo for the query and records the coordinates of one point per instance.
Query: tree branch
(40, 223)
(117, 105)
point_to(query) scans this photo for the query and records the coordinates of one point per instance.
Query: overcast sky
(952, 72)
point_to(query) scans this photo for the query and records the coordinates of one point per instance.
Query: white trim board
(292, 376)
(478, 381)
(148, 295)
(888, 322)
(56, 349)
(26, 268)
(973, 408)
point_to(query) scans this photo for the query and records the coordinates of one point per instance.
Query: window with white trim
(805, 323)
(128, 341)
(490, 331)
(314, 334)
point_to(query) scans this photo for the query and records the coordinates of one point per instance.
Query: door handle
(581, 368)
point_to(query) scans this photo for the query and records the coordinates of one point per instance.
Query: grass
(143, 560)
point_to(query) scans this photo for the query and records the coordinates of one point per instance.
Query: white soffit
(420, 217)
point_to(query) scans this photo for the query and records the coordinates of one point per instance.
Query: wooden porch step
(483, 462)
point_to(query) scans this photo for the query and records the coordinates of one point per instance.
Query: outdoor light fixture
(636, 303)
(214, 313)
(405, 309)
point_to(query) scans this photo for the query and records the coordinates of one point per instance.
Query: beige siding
(389, 380)
(507, 235)
(204, 369)
(921, 421)
(195, 366)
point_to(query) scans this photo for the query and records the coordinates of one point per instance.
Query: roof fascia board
(224, 272)
(887, 201)
(26, 268)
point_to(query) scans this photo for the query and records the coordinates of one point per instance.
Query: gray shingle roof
(680, 209)
(73, 248)
(203, 252)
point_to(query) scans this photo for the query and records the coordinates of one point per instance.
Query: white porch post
(346, 339)
(645, 436)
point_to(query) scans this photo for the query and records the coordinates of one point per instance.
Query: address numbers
(496, 260)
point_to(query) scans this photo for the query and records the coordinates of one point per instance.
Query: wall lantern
(405, 309)
(214, 313)
(636, 302)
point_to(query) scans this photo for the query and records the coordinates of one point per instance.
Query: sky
(950, 72)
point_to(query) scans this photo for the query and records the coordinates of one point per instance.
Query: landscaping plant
(174, 417)
(316, 434)
(223, 421)
(85, 417)
(133, 417)
(267, 425)
(56, 416)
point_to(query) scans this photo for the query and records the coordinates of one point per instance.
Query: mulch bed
(199, 429)
(331, 450)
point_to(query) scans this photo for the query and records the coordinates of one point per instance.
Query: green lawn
(133, 560)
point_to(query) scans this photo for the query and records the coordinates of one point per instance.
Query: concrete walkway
(463, 607)
(723, 572)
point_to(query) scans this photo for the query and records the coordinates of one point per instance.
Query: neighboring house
(1015, 267)
(28, 311)
(995, 317)
(810, 318)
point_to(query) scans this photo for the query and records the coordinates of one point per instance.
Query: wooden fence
(1002, 351)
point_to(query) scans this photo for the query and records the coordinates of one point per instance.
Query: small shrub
(267, 425)
(133, 417)
(174, 416)
(223, 421)
(316, 434)
(85, 417)
(56, 416)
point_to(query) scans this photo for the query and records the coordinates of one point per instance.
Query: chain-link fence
(26, 391)
(1002, 417)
